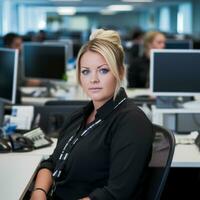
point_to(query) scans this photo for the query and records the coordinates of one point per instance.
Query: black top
(109, 162)
(138, 73)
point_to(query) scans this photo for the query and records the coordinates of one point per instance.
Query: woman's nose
(94, 77)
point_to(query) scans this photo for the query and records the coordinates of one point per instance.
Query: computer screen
(44, 61)
(8, 75)
(178, 44)
(68, 45)
(175, 72)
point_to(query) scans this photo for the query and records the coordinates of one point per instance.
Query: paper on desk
(22, 116)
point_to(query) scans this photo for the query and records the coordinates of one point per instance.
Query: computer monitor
(8, 78)
(1, 42)
(44, 61)
(196, 44)
(175, 72)
(68, 44)
(178, 44)
(8, 75)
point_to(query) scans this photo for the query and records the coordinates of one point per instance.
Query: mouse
(4, 146)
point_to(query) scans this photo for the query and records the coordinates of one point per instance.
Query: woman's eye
(104, 71)
(85, 72)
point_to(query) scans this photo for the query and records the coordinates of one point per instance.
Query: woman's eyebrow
(101, 66)
(85, 67)
(97, 66)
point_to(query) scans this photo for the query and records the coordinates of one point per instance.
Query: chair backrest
(54, 113)
(66, 103)
(159, 166)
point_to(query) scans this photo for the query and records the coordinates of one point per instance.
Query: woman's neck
(91, 117)
(96, 105)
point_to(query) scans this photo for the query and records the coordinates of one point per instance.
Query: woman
(104, 149)
(138, 71)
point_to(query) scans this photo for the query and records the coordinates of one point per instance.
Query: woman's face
(158, 42)
(97, 80)
(17, 43)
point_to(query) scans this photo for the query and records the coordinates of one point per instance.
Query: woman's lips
(95, 89)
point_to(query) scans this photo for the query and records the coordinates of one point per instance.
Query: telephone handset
(38, 138)
(29, 141)
(20, 143)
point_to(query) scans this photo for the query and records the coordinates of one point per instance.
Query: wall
(196, 18)
(19, 18)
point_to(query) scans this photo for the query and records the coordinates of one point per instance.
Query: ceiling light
(120, 7)
(65, 0)
(107, 12)
(66, 10)
(137, 1)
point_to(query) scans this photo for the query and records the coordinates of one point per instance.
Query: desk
(186, 156)
(18, 169)
(74, 93)
(16, 174)
(158, 114)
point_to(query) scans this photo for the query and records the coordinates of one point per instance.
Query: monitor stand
(54, 90)
(49, 85)
(171, 101)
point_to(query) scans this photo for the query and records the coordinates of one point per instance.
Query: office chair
(159, 166)
(54, 113)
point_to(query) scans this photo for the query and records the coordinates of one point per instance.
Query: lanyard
(68, 148)
(70, 145)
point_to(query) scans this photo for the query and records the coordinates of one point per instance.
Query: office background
(75, 19)
(170, 16)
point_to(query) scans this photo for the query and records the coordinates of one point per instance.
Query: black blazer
(109, 162)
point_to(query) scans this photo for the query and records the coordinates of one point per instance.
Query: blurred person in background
(137, 41)
(15, 41)
(138, 70)
(40, 36)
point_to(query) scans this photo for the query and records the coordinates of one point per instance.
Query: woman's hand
(85, 198)
(38, 195)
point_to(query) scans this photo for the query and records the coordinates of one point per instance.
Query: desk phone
(38, 138)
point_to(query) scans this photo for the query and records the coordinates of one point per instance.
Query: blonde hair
(108, 44)
(149, 38)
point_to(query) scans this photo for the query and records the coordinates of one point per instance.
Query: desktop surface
(186, 156)
(18, 169)
(16, 174)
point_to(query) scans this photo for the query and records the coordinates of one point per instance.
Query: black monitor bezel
(169, 93)
(14, 83)
(46, 45)
(189, 41)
